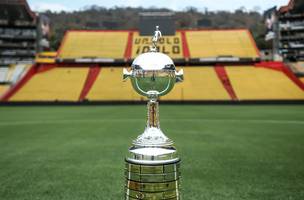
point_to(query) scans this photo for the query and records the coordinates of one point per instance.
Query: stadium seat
(93, 44)
(254, 83)
(201, 83)
(47, 57)
(302, 79)
(3, 89)
(109, 86)
(170, 45)
(57, 84)
(216, 43)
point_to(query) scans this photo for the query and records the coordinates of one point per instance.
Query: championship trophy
(152, 165)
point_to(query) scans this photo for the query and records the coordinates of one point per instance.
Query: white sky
(212, 5)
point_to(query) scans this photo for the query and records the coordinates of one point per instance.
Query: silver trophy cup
(152, 165)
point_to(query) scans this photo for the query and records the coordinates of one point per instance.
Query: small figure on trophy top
(156, 37)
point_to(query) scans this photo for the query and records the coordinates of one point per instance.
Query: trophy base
(152, 181)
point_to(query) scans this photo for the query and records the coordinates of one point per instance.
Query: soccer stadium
(67, 118)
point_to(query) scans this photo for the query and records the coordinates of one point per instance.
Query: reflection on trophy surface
(152, 165)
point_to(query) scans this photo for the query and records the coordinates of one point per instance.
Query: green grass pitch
(77, 153)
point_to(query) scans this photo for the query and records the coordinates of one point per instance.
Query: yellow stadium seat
(201, 83)
(58, 84)
(50, 54)
(94, 44)
(46, 57)
(302, 79)
(45, 60)
(216, 43)
(254, 83)
(3, 89)
(170, 45)
(109, 86)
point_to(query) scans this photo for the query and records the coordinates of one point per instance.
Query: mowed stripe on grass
(228, 152)
(29, 122)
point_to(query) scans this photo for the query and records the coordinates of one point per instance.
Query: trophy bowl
(153, 73)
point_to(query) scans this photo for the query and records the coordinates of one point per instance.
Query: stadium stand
(94, 44)
(253, 83)
(201, 83)
(18, 32)
(184, 44)
(81, 71)
(110, 87)
(55, 84)
(290, 20)
(221, 43)
(219, 65)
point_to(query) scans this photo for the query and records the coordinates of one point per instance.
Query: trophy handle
(179, 76)
(126, 74)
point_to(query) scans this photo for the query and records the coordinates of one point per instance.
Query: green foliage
(95, 17)
(228, 152)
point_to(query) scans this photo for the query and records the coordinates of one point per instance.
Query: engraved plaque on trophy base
(160, 181)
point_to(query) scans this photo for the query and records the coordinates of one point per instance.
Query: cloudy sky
(231, 5)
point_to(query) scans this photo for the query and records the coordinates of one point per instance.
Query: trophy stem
(153, 114)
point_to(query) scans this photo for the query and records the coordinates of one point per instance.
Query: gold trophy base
(152, 182)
